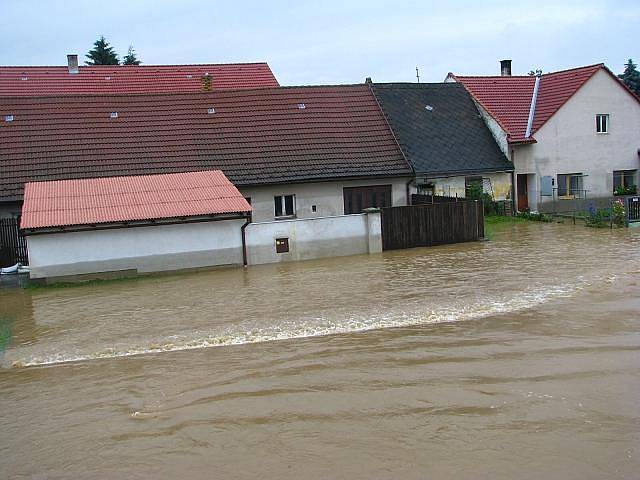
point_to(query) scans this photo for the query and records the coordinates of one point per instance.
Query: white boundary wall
(193, 245)
(314, 238)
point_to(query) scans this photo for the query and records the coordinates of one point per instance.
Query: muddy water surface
(513, 358)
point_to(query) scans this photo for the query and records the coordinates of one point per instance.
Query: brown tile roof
(264, 136)
(121, 199)
(46, 81)
(508, 98)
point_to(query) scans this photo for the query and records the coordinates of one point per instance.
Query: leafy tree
(631, 77)
(130, 58)
(102, 54)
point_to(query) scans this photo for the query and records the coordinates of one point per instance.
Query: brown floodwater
(513, 358)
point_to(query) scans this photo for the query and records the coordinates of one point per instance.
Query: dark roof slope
(114, 79)
(263, 136)
(439, 128)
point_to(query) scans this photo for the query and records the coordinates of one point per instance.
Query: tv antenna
(418, 74)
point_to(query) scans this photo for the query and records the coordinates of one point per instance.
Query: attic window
(8, 118)
(429, 108)
(211, 110)
(113, 115)
(301, 106)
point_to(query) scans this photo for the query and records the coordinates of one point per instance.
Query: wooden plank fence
(13, 246)
(432, 224)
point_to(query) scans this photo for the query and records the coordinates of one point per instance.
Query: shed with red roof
(134, 224)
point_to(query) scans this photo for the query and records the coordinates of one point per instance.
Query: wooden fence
(13, 246)
(432, 224)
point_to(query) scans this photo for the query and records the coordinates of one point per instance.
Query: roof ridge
(146, 65)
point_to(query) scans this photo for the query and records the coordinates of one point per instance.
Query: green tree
(631, 77)
(130, 58)
(102, 54)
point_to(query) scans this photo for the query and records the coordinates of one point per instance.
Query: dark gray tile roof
(439, 128)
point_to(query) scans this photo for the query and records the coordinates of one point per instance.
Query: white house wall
(139, 249)
(326, 196)
(568, 142)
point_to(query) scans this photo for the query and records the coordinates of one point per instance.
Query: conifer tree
(102, 54)
(130, 58)
(631, 77)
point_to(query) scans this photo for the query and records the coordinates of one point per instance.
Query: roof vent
(72, 63)
(8, 118)
(189, 75)
(113, 115)
(211, 110)
(24, 78)
(505, 68)
(429, 108)
(107, 78)
(301, 106)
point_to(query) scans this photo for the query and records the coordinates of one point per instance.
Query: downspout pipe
(244, 239)
(532, 108)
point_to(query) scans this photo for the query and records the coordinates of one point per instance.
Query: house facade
(573, 136)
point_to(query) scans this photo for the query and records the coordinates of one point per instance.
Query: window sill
(602, 133)
(285, 217)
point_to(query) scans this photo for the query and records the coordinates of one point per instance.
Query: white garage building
(134, 224)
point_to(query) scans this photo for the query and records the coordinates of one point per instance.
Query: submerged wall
(136, 250)
(314, 238)
(193, 245)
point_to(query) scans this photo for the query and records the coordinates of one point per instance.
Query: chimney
(505, 68)
(72, 63)
(206, 82)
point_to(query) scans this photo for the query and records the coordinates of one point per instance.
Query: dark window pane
(562, 185)
(278, 206)
(618, 180)
(288, 204)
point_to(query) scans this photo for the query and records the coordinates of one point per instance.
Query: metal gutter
(532, 108)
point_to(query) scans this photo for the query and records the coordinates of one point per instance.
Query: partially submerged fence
(432, 224)
(13, 246)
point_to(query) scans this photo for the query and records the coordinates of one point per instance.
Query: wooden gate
(434, 224)
(13, 246)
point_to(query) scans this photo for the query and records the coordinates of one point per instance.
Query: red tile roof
(508, 98)
(256, 137)
(46, 81)
(122, 199)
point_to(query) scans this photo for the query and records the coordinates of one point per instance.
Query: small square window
(602, 123)
(284, 206)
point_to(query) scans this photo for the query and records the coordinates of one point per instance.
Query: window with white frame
(602, 123)
(285, 206)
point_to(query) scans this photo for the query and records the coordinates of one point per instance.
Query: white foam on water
(319, 327)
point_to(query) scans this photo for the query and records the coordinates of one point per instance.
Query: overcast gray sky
(334, 41)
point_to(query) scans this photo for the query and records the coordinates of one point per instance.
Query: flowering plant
(618, 212)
